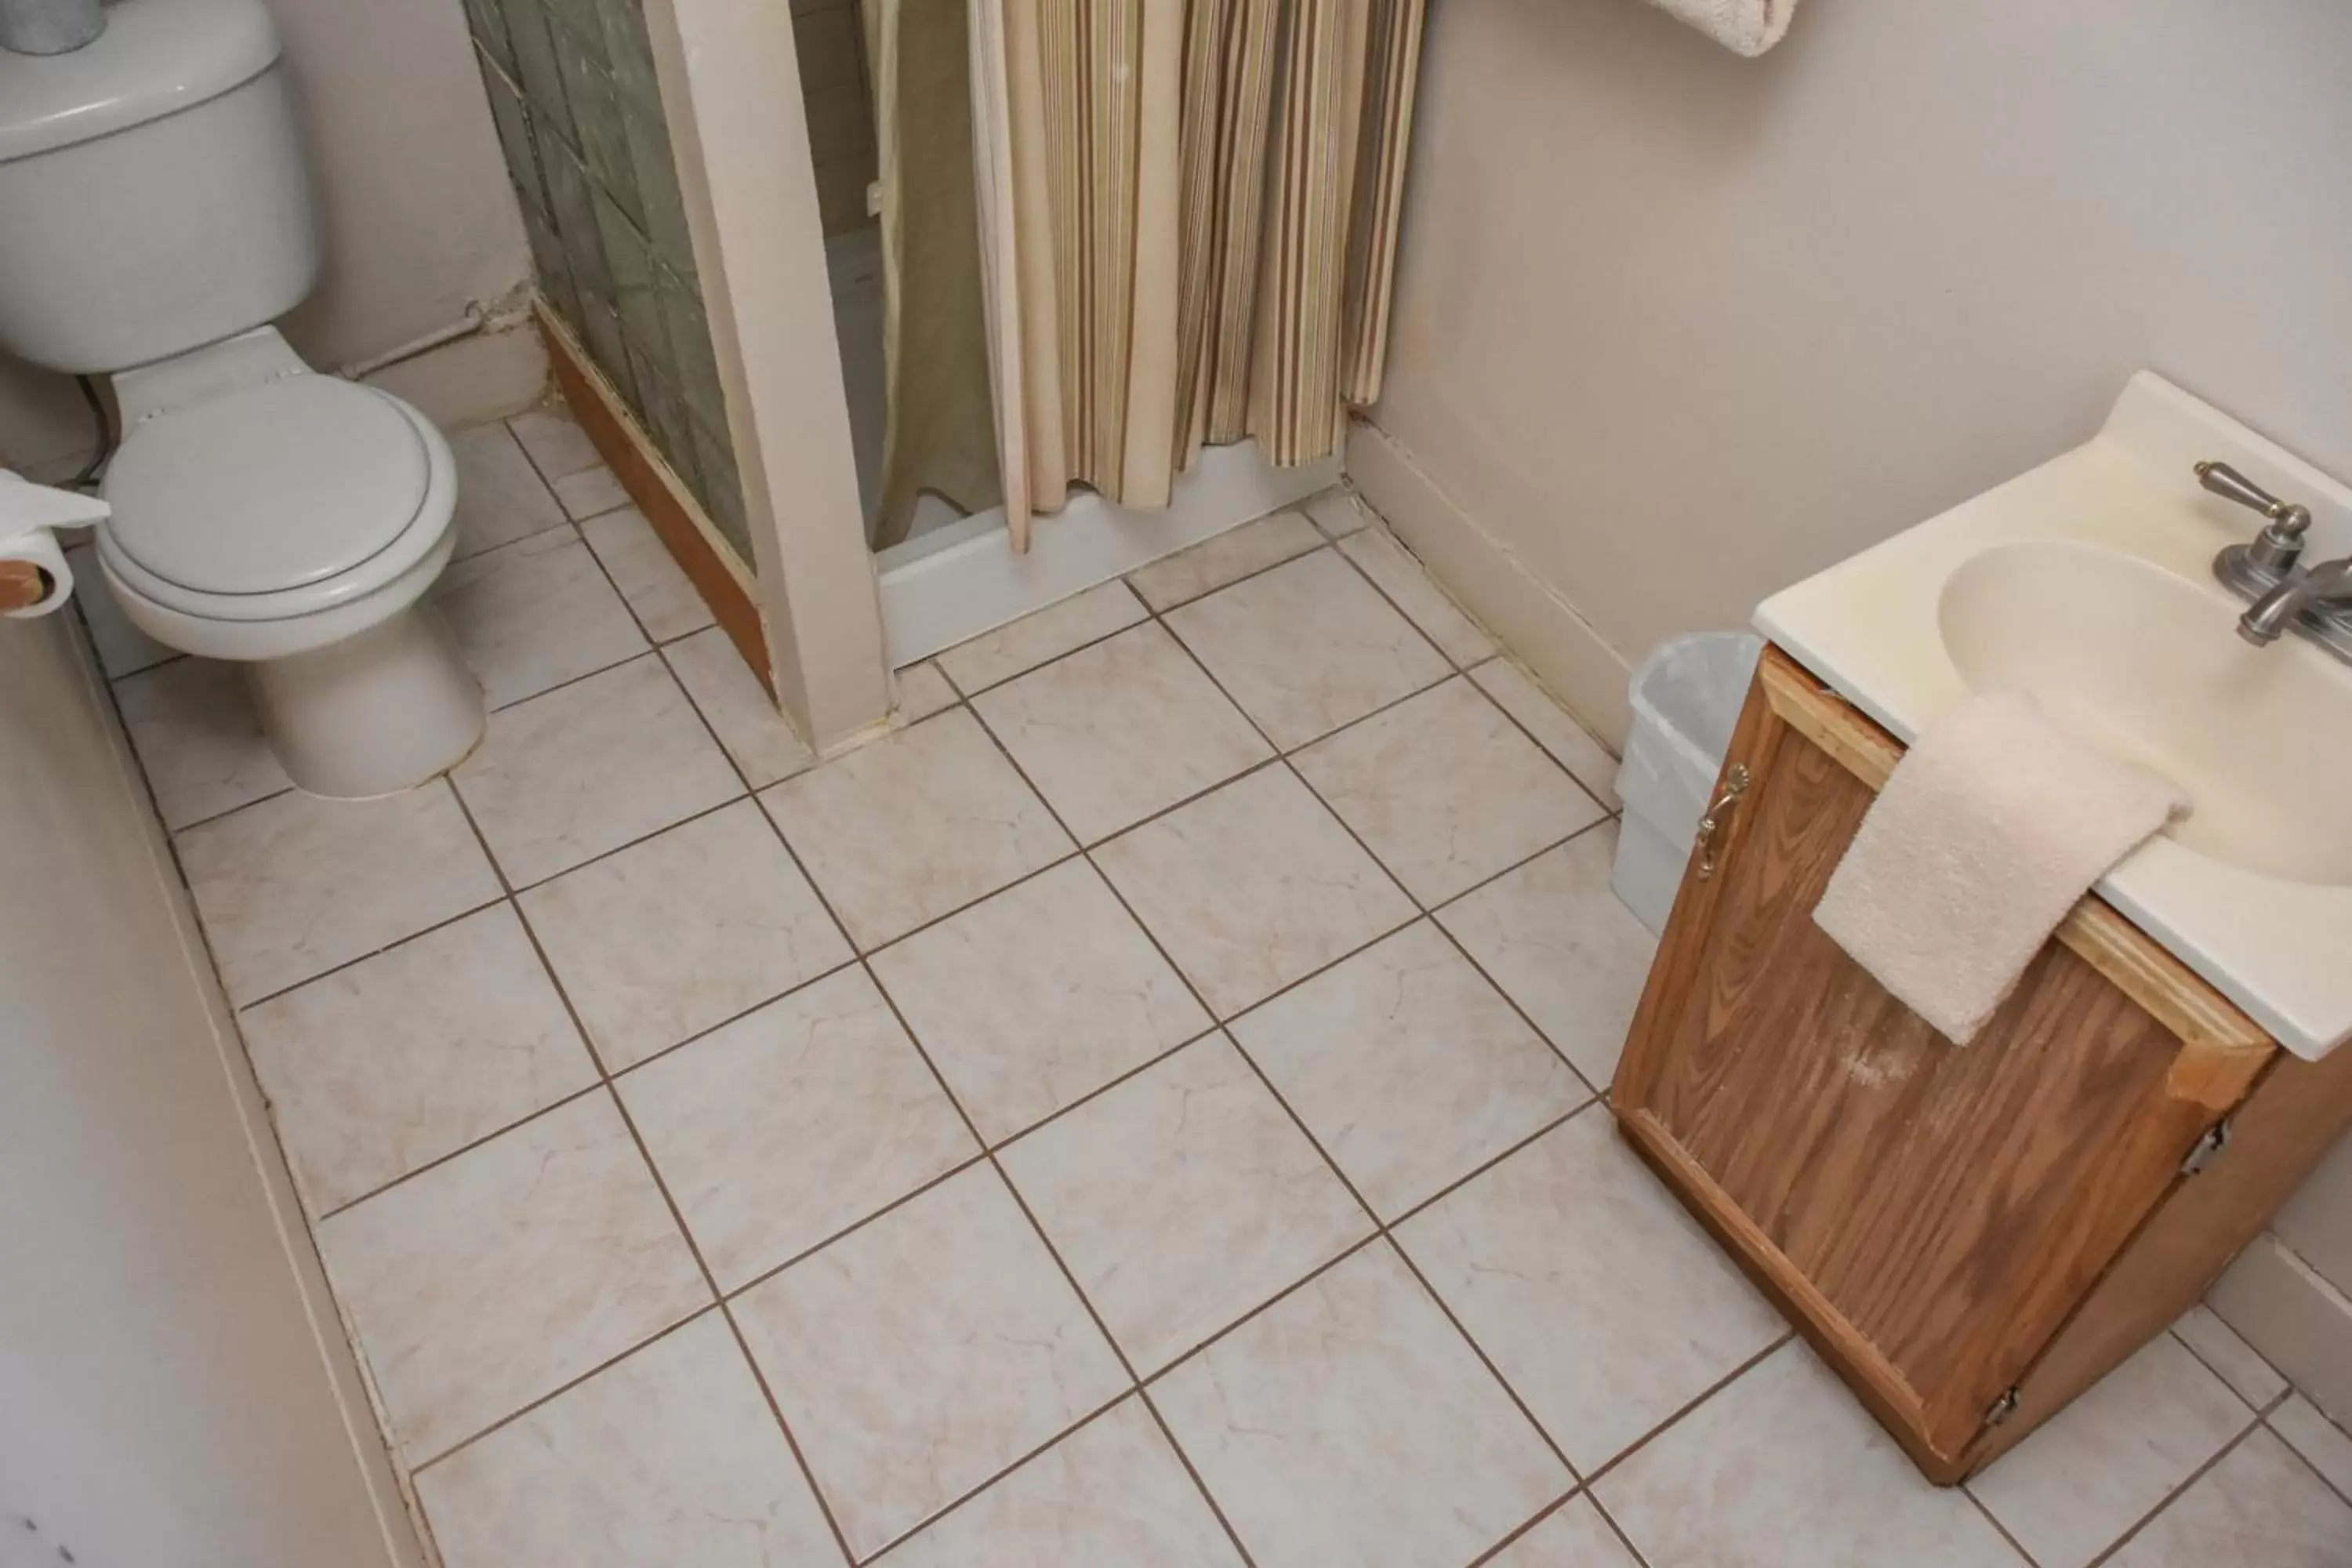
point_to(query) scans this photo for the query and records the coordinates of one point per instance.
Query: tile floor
(1140, 1112)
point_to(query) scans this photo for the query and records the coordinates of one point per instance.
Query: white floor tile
(557, 446)
(1784, 1470)
(1227, 558)
(648, 577)
(1445, 790)
(198, 739)
(1252, 887)
(293, 885)
(668, 1456)
(2259, 1506)
(1407, 1067)
(1571, 744)
(996, 656)
(682, 932)
(1336, 512)
(921, 691)
(740, 711)
(1036, 996)
(535, 614)
(384, 1067)
(1559, 945)
(914, 825)
(916, 1357)
(492, 1280)
(591, 492)
(1600, 1301)
(1112, 1494)
(1394, 570)
(500, 497)
(1574, 1535)
(1308, 646)
(587, 768)
(2072, 1489)
(1119, 730)
(1182, 1199)
(2234, 1361)
(123, 648)
(2324, 1446)
(1350, 1423)
(788, 1126)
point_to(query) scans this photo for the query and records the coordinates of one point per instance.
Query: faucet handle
(2282, 541)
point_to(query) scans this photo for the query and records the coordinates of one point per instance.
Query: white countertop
(1868, 626)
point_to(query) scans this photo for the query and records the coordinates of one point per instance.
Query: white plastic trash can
(1687, 695)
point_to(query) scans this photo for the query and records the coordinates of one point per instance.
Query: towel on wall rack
(1744, 27)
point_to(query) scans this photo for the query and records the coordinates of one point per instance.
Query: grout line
(2308, 1462)
(417, 1468)
(677, 1213)
(489, 709)
(1089, 1419)
(1999, 1529)
(1381, 1229)
(216, 817)
(320, 1217)
(2145, 1519)
(1523, 1531)
(1601, 1473)
(964, 694)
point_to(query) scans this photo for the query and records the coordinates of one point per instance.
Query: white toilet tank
(153, 196)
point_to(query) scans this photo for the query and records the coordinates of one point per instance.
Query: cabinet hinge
(2207, 1149)
(2002, 1409)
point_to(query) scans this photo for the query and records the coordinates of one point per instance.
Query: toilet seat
(277, 500)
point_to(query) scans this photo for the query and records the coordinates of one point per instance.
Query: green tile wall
(579, 116)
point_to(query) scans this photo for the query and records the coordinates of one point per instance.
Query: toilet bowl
(155, 216)
(291, 522)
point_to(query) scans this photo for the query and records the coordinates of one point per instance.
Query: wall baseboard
(678, 520)
(2300, 1324)
(1543, 629)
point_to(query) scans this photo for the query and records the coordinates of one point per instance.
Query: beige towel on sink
(1989, 830)
(1744, 27)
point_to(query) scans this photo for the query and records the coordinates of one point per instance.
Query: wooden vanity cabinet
(1971, 1234)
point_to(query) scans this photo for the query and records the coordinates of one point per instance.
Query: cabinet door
(1928, 1212)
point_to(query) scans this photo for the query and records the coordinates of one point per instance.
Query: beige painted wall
(174, 1385)
(417, 213)
(1675, 330)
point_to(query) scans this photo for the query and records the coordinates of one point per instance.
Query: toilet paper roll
(48, 576)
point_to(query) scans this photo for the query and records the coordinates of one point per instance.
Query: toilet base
(373, 714)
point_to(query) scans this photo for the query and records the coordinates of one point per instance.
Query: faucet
(2326, 585)
(2317, 602)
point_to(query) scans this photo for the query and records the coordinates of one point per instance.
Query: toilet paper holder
(34, 577)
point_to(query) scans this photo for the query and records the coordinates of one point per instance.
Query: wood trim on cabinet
(678, 520)
(2226, 1050)
(2277, 1135)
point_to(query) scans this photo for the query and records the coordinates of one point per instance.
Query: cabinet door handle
(1719, 817)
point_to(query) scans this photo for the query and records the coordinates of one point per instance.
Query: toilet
(155, 219)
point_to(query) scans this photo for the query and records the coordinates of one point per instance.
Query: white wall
(418, 216)
(1674, 329)
(175, 1389)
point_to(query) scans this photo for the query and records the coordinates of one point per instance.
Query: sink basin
(2149, 667)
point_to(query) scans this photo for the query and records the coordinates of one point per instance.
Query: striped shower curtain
(1188, 227)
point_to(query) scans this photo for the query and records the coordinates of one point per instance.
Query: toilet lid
(269, 489)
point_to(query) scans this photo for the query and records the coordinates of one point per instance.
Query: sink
(2146, 666)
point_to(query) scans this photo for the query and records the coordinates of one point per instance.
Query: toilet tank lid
(155, 57)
